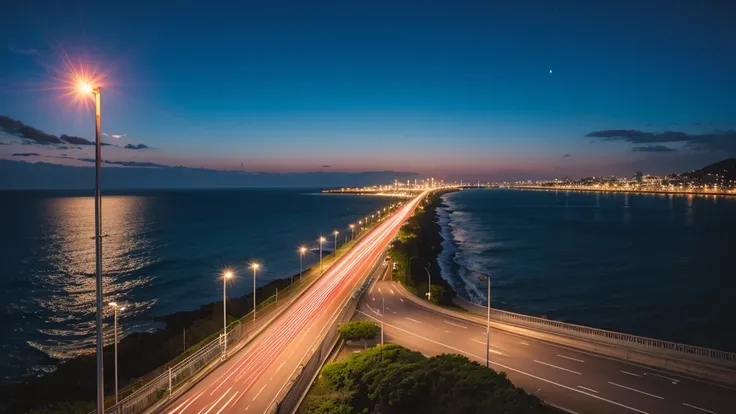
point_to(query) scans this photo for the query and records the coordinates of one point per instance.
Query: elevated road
(575, 380)
(252, 379)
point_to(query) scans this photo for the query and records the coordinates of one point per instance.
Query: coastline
(144, 353)
(614, 190)
(417, 250)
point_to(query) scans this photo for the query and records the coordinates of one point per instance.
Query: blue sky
(455, 89)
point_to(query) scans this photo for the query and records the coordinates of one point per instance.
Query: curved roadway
(574, 380)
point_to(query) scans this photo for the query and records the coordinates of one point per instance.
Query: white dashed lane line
(555, 366)
(698, 408)
(587, 389)
(413, 320)
(631, 373)
(635, 390)
(455, 324)
(570, 358)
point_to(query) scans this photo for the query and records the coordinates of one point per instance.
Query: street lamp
(429, 288)
(85, 89)
(335, 233)
(225, 277)
(302, 250)
(352, 231)
(321, 240)
(488, 322)
(255, 267)
(115, 309)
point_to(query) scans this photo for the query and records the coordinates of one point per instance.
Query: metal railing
(622, 339)
(303, 380)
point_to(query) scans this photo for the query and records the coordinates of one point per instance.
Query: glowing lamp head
(302, 250)
(228, 274)
(336, 232)
(352, 226)
(85, 88)
(322, 239)
(255, 266)
(113, 304)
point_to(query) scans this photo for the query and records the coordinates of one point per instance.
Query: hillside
(722, 173)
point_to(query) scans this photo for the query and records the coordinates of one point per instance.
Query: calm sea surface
(163, 252)
(654, 265)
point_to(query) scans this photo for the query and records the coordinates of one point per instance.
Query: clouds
(136, 147)
(24, 51)
(653, 148)
(723, 141)
(116, 136)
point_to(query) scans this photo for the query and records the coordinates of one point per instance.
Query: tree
(359, 331)
(438, 294)
(391, 379)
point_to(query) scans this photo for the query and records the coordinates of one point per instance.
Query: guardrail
(296, 391)
(639, 343)
(632, 341)
(138, 398)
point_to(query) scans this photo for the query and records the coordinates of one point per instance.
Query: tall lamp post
(255, 267)
(302, 250)
(87, 89)
(352, 231)
(335, 246)
(225, 277)
(488, 322)
(321, 240)
(115, 309)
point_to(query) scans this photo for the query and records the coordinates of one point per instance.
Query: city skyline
(452, 91)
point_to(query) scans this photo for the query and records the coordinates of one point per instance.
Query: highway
(252, 379)
(573, 380)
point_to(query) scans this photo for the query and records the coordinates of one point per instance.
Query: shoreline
(626, 191)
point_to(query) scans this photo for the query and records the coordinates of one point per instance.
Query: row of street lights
(85, 88)
(255, 266)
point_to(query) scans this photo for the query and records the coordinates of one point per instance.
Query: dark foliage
(392, 380)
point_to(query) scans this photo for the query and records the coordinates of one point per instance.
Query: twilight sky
(454, 89)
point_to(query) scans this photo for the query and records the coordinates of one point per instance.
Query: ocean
(654, 265)
(163, 252)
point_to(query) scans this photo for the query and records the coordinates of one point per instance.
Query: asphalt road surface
(251, 380)
(574, 380)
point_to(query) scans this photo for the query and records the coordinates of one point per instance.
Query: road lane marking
(259, 392)
(698, 408)
(631, 373)
(392, 291)
(555, 366)
(570, 358)
(413, 320)
(401, 299)
(374, 299)
(373, 310)
(524, 343)
(674, 381)
(460, 351)
(185, 402)
(588, 389)
(634, 389)
(380, 291)
(228, 402)
(279, 368)
(246, 408)
(447, 331)
(454, 324)
(493, 351)
(218, 400)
